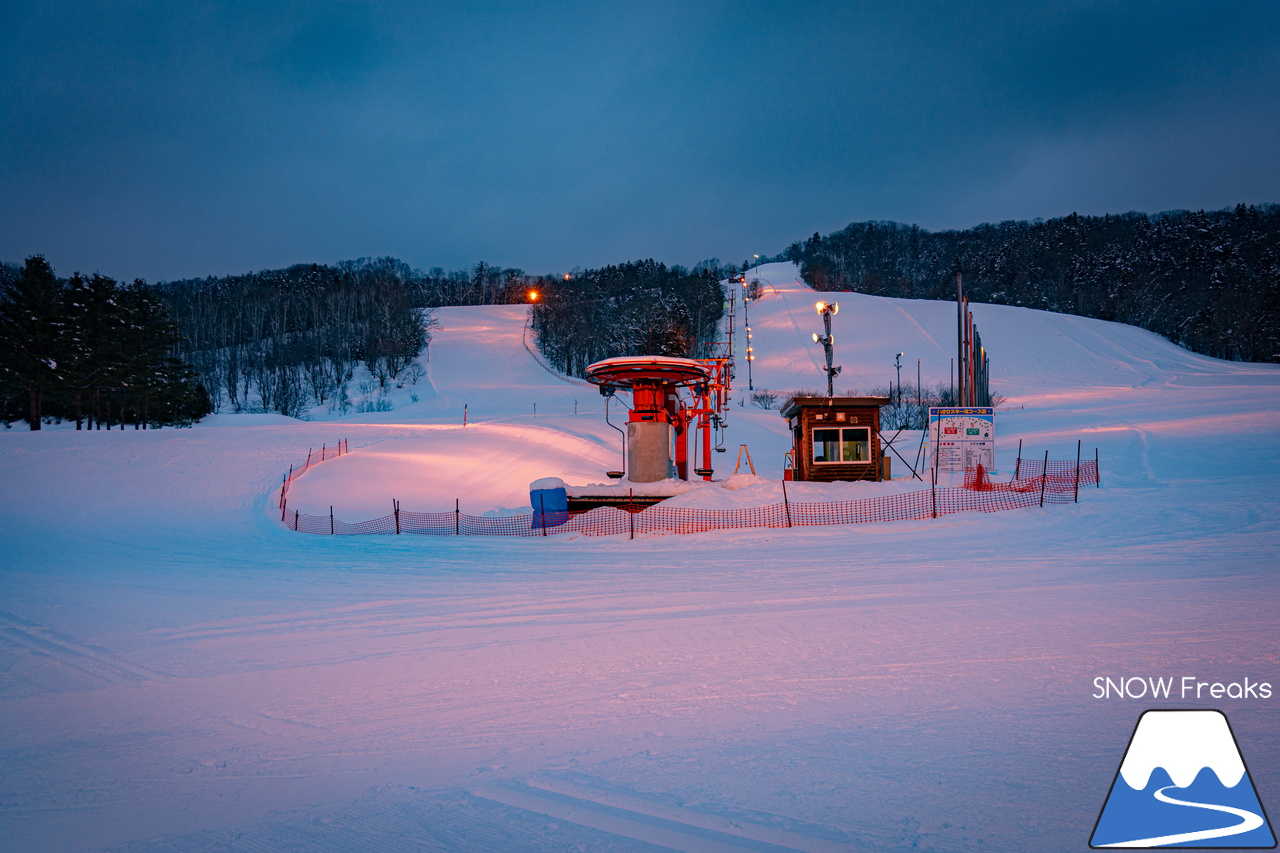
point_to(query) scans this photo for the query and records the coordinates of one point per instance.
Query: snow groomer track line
(96, 662)
(1054, 482)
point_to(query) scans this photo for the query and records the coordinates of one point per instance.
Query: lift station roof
(628, 369)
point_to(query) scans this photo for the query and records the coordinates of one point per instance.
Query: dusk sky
(168, 140)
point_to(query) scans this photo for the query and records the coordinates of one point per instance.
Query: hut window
(847, 445)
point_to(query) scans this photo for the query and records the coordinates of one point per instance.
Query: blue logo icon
(1182, 783)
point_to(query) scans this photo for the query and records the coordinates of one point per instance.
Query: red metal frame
(655, 383)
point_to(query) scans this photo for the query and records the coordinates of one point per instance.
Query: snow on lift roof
(626, 369)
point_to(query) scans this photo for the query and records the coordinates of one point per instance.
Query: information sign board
(963, 437)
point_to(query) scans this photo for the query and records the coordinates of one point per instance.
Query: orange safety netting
(1033, 487)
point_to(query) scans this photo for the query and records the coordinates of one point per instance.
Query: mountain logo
(1182, 783)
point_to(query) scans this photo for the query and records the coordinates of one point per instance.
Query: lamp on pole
(746, 324)
(827, 311)
(897, 362)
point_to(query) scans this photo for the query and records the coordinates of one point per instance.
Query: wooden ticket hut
(836, 438)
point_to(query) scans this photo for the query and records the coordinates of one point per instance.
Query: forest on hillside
(339, 336)
(638, 308)
(101, 352)
(286, 340)
(90, 350)
(1209, 281)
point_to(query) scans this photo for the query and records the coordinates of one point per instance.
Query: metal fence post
(786, 503)
(542, 505)
(1044, 477)
(395, 503)
(1017, 466)
(1097, 469)
(457, 518)
(1077, 470)
(331, 519)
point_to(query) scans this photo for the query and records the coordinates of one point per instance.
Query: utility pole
(959, 341)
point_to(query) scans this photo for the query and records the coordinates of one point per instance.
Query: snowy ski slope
(179, 672)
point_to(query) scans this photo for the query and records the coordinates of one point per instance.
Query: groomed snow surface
(180, 672)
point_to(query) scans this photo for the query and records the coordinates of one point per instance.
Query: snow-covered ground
(180, 672)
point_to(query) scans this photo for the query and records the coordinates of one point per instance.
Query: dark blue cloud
(166, 140)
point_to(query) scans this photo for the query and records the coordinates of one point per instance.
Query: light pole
(897, 362)
(746, 324)
(827, 311)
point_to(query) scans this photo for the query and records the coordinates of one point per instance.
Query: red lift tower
(659, 424)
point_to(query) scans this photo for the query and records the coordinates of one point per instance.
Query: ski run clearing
(179, 672)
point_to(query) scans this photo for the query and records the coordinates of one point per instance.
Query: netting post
(330, 517)
(934, 492)
(396, 504)
(1017, 466)
(308, 457)
(1044, 477)
(457, 518)
(1097, 469)
(295, 521)
(284, 484)
(786, 503)
(631, 516)
(322, 449)
(542, 505)
(1077, 470)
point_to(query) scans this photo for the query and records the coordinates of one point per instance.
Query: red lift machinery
(660, 419)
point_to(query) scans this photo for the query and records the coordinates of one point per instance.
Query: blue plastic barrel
(550, 502)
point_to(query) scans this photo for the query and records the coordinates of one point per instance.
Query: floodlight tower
(827, 311)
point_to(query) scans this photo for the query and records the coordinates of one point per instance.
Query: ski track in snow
(179, 672)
